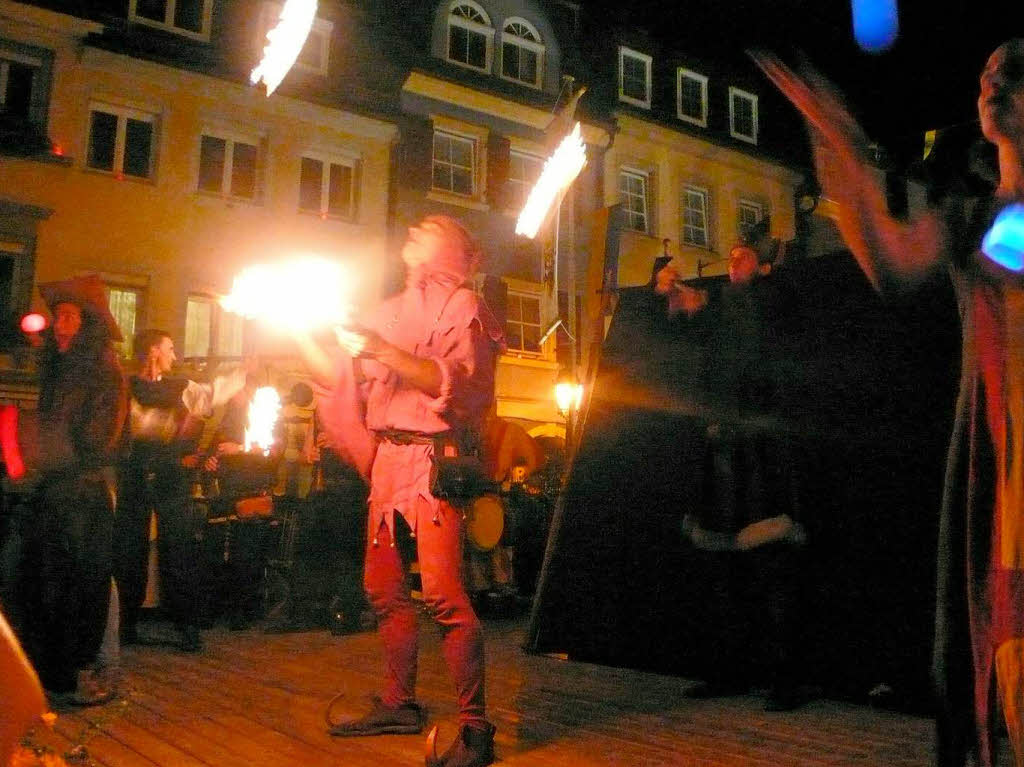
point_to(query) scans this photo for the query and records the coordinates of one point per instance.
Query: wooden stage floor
(256, 699)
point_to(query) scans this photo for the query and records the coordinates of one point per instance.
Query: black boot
(474, 747)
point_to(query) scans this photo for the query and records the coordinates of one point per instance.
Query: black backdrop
(871, 392)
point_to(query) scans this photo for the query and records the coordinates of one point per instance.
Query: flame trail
(297, 295)
(284, 43)
(560, 170)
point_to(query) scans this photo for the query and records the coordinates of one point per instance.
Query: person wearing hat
(406, 388)
(748, 523)
(68, 559)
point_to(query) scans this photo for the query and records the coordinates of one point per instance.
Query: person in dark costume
(748, 523)
(66, 572)
(979, 630)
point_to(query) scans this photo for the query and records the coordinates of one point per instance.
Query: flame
(284, 43)
(560, 170)
(295, 295)
(263, 410)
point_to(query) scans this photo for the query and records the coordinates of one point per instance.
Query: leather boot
(474, 747)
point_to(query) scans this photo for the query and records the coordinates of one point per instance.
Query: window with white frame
(633, 192)
(742, 115)
(523, 172)
(184, 17)
(121, 140)
(748, 215)
(209, 330)
(695, 217)
(198, 326)
(692, 97)
(124, 304)
(315, 54)
(522, 324)
(454, 164)
(634, 78)
(228, 166)
(470, 35)
(327, 186)
(522, 53)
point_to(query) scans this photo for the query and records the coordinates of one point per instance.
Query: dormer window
(742, 115)
(470, 36)
(190, 18)
(692, 97)
(634, 78)
(522, 53)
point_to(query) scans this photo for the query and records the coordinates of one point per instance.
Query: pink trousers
(439, 548)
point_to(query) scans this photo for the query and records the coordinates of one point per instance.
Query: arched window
(522, 53)
(470, 35)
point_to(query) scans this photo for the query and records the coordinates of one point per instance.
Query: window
(523, 172)
(18, 74)
(121, 141)
(453, 165)
(692, 97)
(742, 115)
(634, 78)
(185, 17)
(748, 214)
(522, 54)
(522, 325)
(315, 54)
(327, 187)
(695, 217)
(124, 305)
(206, 322)
(228, 166)
(470, 36)
(633, 191)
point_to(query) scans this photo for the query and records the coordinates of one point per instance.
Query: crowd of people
(402, 400)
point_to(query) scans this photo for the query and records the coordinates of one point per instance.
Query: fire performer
(165, 429)
(980, 608)
(422, 371)
(66, 572)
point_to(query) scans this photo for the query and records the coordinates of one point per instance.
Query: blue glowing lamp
(1004, 242)
(875, 24)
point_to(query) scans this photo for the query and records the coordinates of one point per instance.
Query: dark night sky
(928, 79)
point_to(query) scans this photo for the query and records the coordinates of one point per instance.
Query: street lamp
(568, 398)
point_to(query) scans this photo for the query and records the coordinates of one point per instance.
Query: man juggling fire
(414, 382)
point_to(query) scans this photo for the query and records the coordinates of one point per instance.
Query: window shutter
(495, 293)
(497, 171)
(417, 153)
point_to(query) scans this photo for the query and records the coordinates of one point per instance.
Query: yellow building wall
(671, 160)
(162, 232)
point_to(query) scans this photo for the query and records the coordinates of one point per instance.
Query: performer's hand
(360, 342)
(229, 448)
(211, 463)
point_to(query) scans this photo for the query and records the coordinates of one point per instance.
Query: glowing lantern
(284, 43)
(560, 170)
(263, 410)
(1004, 242)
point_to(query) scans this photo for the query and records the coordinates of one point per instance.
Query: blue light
(1004, 242)
(875, 24)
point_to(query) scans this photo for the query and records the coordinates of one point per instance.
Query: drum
(485, 522)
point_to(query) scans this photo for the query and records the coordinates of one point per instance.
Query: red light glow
(33, 323)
